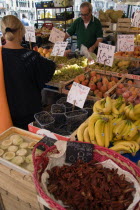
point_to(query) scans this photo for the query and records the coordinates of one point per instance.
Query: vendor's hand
(91, 49)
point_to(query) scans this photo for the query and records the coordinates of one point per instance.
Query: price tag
(79, 151)
(105, 54)
(48, 141)
(84, 51)
(78, 94)
(30, 34)
(59, 48)
(136, 19)
(125, 43)
(56, 35)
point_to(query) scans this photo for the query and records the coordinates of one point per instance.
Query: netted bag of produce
(115, 15)
(103, 17)
(109, 181)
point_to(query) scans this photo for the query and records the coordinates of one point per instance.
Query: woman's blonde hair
(12, 28)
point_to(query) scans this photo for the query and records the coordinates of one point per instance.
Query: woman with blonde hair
(25, 73)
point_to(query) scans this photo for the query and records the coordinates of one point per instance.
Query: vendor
(87, 28)
(25, 73)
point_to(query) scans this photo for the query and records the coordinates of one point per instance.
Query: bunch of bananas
(97, 130)
(113, 121)
(132, 112)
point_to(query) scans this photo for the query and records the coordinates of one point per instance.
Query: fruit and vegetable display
(67, 73)
(113, 123)
(43, 32)
(129, 92)
(110, 15)
(98, 84)
(90, 185)
(18, 151)
(119, 66)
(131, 54)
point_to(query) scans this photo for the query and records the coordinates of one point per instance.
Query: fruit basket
(100, 155)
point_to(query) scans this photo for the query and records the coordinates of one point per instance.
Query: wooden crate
(124, 24)
(106, 26)
(10, 202)
(17, 188)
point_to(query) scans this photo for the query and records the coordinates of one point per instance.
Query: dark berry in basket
(44, 118)
(89, 186)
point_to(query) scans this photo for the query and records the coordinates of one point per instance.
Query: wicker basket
(100, 154)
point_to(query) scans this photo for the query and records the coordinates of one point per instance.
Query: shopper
(87, 28)
(25, 73)
(24, 20)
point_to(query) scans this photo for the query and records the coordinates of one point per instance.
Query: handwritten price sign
(30, 34)
(78, 94)
(105, 54)
(125, 43)
(59, 48)
(136, 19)
(56, 35)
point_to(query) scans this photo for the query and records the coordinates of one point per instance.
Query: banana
(80, 131)
(12, 148)
(120, 135)
(131, 113)
(133, 132)
(21, 152)
(116, 122)
(1, 152)
(99, 132)
(18, 160)
(111, 130)
(136, 146)
(7, 142)
(130, 144)
(117, 130)
(114, 109)
(99, 105)
(137, 109)
(24, 145)
(29, 159)
(108, 106)
(127, 110)
(86, 135)
(126, 130)
(137, 123)
(16, 139)
(91, 122)
(9, 155)
(107, 134)
(119, 148)
(138, 140)
(121, 109)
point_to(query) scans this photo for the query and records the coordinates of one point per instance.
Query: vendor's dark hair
(86, 4)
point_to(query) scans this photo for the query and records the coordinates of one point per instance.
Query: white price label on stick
(59, 49)
(136, 19)
(105, 54)
(56, 35)
(125, 43)
(78, 94)
(30, 34)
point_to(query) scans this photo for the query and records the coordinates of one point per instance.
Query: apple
(35, 48)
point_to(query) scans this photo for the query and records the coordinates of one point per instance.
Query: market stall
(83, 149)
